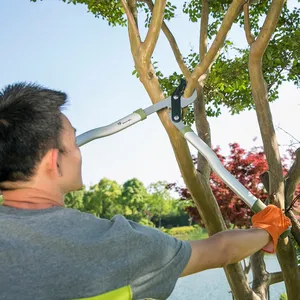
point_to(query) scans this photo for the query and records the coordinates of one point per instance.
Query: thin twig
(292, 203)
(278, 127)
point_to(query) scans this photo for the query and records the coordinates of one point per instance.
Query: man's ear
(51, 160)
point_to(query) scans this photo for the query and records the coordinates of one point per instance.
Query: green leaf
(269, 56)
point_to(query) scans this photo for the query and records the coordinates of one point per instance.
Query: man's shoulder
(75, 213)
(80, 216)
(70, 215)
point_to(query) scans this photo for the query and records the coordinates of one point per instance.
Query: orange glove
(274, 222)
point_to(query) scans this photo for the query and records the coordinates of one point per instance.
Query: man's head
(37, 142)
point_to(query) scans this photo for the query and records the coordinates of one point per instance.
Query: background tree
(108, 198)
(103, 199)
(134, 197)
(159, 202)
(75, 199)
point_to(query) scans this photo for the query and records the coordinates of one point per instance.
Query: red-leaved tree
(247, 167)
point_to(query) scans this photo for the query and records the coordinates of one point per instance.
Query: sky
(64, 47)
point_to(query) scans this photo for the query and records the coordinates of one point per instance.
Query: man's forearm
(231, 246)
(241, 243)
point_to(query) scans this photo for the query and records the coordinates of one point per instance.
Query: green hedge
(181, 230)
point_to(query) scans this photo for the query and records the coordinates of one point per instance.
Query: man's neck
(32, 198)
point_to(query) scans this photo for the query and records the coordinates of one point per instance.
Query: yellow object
(123, 293)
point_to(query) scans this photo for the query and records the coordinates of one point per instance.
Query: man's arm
(228, 247)
(224, 248)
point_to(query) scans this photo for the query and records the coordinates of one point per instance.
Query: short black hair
(30, 125)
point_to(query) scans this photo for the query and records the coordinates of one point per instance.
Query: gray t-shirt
(61, 253)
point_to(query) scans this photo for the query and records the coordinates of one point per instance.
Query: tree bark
(286, 254)
(295, 228)
(292, 179)
(285, 251)
(202, 125)
(261, 277)
(264, 116)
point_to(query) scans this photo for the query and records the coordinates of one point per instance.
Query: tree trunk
(285, 252)
(196, 182)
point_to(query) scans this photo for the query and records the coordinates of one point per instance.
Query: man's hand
(274, 222)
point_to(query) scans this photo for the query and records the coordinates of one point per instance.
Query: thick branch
(250, 38)
(247, 268)
(292, 179)
(277, 277)
(269, 26)
(184, 69)
(133, 9)
(203, 29)
(285, 251)
(154, 29)
(202, 124)
(134, 35)
(286, 254)
(232, 13)
(260, 274)
(264, 116)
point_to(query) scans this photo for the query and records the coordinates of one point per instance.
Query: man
(48, 251)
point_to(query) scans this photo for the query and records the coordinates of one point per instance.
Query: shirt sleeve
(156, 261)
